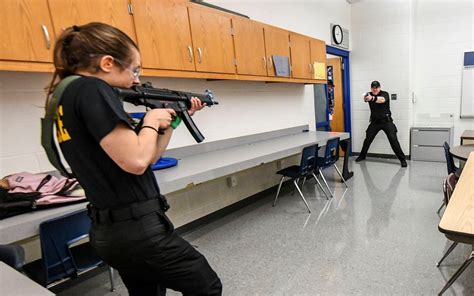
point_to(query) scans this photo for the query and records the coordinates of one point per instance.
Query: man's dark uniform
(381, 119)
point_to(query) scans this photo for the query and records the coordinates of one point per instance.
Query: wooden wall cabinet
(277, 42)
(163, 34)
(212, 38)
(176, 38)
(318, 52)
(66, 13)
(26, 32)
(300, 56)
(249, 43)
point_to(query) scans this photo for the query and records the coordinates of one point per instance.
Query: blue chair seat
(292, 172)
(331, 156)
(306, 169)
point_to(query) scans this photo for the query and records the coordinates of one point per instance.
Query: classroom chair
(61, 257)
(448, 188)
(306, 168)
(12, 255)
(331, 156)
(451, 167)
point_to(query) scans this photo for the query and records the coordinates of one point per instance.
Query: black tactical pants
(150, 257)
(390, 130)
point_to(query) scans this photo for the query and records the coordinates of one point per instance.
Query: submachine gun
(150, 97)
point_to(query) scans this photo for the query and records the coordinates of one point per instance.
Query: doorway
(335, 93)
(321, 96)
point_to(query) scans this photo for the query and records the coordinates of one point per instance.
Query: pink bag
(53, 190)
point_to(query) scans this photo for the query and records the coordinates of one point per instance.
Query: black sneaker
(360, 158)
(403, 163)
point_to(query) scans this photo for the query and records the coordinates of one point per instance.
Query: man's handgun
(148, 96)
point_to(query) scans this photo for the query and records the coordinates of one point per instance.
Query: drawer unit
(426, 143)
(427, 153)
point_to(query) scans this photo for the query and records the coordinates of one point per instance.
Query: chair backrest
(308, 159)
(449, 159)
(13, 255)
(55, 235)
(331, 154)
(450, 185)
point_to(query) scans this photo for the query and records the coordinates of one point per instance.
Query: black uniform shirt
(88, 111)
(380, 112)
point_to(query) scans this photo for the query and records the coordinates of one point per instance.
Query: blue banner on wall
(469, 58)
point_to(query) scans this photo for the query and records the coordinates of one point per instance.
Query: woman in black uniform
(111, 160)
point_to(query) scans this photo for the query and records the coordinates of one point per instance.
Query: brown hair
(80, 48)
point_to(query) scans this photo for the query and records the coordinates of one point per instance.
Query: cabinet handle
(46, 36)
(270, 63)
(264, 62)
(199, 55)
(190, 50)
(310, 68)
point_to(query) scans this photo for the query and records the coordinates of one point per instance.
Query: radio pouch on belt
(47, 126)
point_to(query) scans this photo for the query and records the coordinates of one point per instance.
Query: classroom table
(14, 283)
(457, 222)
(462, 151)
(198, 164)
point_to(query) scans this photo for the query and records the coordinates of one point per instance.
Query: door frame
(344, 54)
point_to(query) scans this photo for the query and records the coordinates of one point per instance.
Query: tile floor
(378, 237)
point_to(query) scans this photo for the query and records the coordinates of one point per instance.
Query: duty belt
(135, 211)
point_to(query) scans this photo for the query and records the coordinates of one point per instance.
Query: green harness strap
(47, 126)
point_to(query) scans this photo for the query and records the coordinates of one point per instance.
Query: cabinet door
(249, 47)
(277, 42)
(300, 56)
(318, 51)
(163, 34)
(26, 32)
(66, 13)
(212, 41)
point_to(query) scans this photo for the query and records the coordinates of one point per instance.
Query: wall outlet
(232, 181)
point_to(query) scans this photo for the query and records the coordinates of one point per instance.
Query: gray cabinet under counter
(426, 143)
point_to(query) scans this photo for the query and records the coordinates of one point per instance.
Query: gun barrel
(161, 94)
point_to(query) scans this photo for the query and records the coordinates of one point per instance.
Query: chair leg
(439, 210)
(301, 194)
(451, 248)
(320, 186)
(293, 192)
(304, 181)
(457, 273)
(326, 183)
(339, 172)
(111, 277)
(278, 191)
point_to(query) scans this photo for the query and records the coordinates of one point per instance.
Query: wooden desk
(457, 222)
(14, 283)
(467, 135)
(462, 152)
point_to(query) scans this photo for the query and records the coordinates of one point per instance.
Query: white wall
(441, 40)
(245, 107)
(412, 47)
(380, 51)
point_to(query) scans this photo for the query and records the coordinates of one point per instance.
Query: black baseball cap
(330, 83)
(375, 84)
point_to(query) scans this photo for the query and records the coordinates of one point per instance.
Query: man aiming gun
(380, 119)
